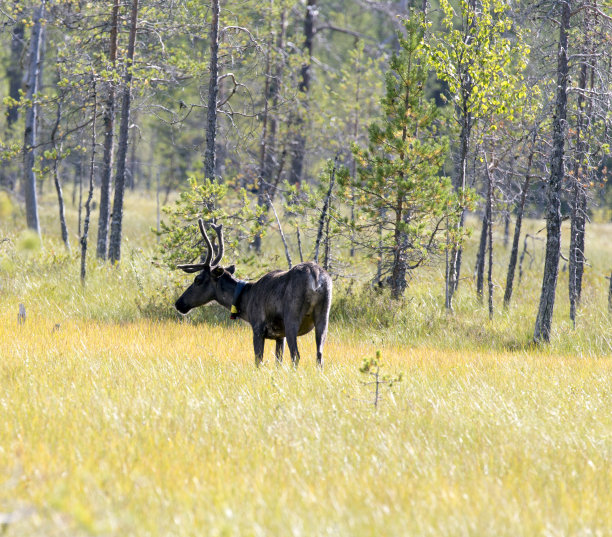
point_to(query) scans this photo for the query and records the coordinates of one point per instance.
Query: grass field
(118, 418)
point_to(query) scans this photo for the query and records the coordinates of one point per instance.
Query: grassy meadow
(120, 418)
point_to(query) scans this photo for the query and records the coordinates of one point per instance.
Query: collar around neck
(234, 311)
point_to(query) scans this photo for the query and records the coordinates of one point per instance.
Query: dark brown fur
(281, 304)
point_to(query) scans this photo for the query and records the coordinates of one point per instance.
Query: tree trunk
(454, 270)
(553, 210)
(30, 134)
(299, 143)
(490, 239)
(81, 196)
(610, 295)
(402, 217)
(132, 169)
(213, 91)
(61, 205)
(282, 234)
(398, 271)
(327, 249)
(91, 186)
(356, 126)
(107, 160)
(56, 179)
(576, 250)
(381, 247)
(268, 160)
(14, 72)
(506, 225)
(114, 253)
(517, 233)
(580, 236)
(299, 242)
(325, 209)
(579, 201)
(480, 256)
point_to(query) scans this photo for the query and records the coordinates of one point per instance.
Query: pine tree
(405, 203)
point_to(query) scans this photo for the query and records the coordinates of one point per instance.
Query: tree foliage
(406, 204)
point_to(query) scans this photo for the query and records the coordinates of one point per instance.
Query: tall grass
(120, 418)
(166, 428)
(137, 288)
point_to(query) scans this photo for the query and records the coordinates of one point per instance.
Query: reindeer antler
(195, 267)
(208, 243)
(219, 231)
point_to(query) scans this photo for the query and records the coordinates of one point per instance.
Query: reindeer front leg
(258, 344)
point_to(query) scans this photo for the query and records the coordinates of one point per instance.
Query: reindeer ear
(217, 272)
(191, 268)
(231, 269)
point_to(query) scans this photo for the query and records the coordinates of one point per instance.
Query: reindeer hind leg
(280, 348)
(321, 321)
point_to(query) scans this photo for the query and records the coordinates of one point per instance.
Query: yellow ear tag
(233, 310)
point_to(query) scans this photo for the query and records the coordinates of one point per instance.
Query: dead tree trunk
(213, 91)
(109, 128)
(490, 238)
(30, 134)
(14, 72)
(480, 256)
(356, 128)
(268, 161)
(553, 210)
(299, 142)
(517, 232)
(114, 253)
(579, 201)
(324, 210)
(610, 294)
(91, 185)
(56, 179)
(327, 243)
(282, 234)
(506, 225)
(576, 251)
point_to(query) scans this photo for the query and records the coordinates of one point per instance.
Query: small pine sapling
(371, 366)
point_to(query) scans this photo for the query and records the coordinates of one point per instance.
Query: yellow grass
(145, 428)
(115, 424)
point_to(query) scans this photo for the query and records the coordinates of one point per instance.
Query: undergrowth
(47, 278)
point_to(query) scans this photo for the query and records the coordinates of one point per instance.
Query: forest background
(447, 162)
(341, 112)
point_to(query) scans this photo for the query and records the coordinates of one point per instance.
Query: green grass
(119, 418)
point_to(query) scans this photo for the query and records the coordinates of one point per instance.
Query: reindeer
(281, 304)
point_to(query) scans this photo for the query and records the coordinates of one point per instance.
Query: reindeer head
(204, 288)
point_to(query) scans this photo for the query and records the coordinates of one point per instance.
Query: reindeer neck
(226, 290)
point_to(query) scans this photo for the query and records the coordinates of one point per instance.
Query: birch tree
(482, 67)
(31, 120)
